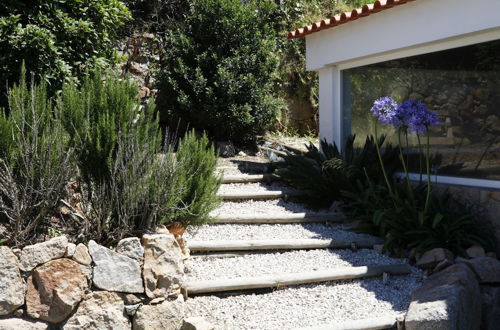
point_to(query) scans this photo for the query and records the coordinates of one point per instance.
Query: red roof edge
(346, 17)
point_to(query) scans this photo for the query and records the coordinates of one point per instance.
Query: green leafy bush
(35, 161)
(218, 72)
(132, 178)
(197, 160)
(57, 39)
(325, 174)
(96, 113)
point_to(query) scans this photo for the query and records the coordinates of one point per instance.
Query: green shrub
(403, 224)
(197, 160)
(325, 174)
(218, 72)
(131, 177)
(94, 116)
(35, 161)
(57, 39)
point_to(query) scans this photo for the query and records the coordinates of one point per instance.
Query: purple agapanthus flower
(415, 117)
(384, 108)
(410, 116)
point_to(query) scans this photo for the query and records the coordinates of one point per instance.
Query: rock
(475, 251)
(99, 310)
(491, 255)
(166, 316)
(133, 299)
(18, 312)
(442, 265)
(82, 255)
(242, 154)
(11, 283)
(196, 323)
(490, 308)
(55, 289)
(132, 309)
(18, 323)
(70, 250)
(449, 299)
(115, 272)
(486, 269)
(163, 270)
(432, 258)
(226, 149)
(37, 254)
(131, 247)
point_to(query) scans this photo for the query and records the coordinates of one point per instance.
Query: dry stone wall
(59, 284)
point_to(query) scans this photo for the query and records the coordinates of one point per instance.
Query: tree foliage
(218, 72)
(58, 40)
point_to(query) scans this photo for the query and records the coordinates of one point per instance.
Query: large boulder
(11, 284)
(131, 247)
(490, 318)
(163, 269)
(115, 272)
(487, 269)
(447, 300)
(166, 316)
(18, 323)
(37, 254)
(55, 289)
(99, 310)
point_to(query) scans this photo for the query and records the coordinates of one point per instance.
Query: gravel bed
(308, 305)
(296, 261)
(253, 187)
(266, 207)
(270, 231)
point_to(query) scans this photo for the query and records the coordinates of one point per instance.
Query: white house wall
(417, 27)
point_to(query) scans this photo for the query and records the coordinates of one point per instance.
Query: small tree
(218, 71)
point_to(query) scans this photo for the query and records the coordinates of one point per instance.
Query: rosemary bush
(35, 161)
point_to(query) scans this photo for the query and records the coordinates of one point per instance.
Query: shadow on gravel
(393, 290)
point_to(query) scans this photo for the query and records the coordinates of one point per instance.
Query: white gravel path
(253, 187)
(270, 231)
(211, 268)
(266, 207)
(307, 305)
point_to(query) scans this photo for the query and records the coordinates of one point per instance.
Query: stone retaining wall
(57, 283)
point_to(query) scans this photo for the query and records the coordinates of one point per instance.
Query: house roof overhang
(346, 17)
(421, 26)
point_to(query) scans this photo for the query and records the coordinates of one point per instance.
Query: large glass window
(462, 85)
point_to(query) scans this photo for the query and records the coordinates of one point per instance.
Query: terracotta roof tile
(366, 10)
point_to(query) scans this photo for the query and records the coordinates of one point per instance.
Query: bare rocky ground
(290, 307)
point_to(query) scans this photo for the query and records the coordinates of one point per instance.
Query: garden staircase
(237, 247)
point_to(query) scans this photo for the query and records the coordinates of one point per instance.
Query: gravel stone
(270, 231)
(307, 305)
(211, 268)
(266, 207)
(253, 187)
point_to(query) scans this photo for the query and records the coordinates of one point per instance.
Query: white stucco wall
(416, 27)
